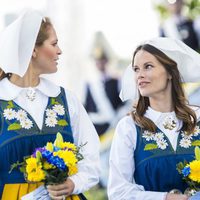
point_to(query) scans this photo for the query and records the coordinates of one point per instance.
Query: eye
(136, 69)
(148, 66)
(55, 44)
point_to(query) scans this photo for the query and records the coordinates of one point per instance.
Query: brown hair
(43, 32)
(181, 108)
(41, 37)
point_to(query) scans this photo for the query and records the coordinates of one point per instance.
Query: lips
(143, 83)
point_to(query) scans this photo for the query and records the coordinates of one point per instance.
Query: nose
(140, 74)
(59, 52)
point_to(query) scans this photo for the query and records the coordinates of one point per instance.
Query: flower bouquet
(191, 173)
(51, 164)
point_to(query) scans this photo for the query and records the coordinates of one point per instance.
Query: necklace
(169, 123)
(31, 94)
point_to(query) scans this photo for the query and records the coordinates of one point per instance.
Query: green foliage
(191, 9)
(56, 176)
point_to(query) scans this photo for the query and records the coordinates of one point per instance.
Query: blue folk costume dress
(155, 168)
(17, 142)
(143, 163)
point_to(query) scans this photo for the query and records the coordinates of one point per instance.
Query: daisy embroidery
(53, 116)
(185, 143)
(59, 109)
(9, 114)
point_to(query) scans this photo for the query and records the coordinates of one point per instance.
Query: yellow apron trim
(16, 191)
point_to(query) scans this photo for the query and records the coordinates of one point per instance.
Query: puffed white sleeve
(84, 132)
(121, 183)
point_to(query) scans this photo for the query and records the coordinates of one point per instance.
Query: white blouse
(82, 128)
(121, 183)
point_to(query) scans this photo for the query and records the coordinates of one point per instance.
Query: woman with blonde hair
(28, 49)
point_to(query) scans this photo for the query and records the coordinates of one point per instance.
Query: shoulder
(126, 126)
(126, 133)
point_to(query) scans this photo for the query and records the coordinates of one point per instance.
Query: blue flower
(186, 171)
(54, 160)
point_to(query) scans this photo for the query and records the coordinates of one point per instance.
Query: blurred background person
(180, 19)
(101, 99)
(180, 26)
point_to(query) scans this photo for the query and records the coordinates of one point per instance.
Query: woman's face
(152, 79)
(47, 55)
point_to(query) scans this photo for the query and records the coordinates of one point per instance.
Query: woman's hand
(59, 192)
(176, 197)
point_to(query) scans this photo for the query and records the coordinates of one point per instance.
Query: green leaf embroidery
(53, 101)
(196, 143)
(10, 104)
(150, 147)
(14, 126)
(62, 122)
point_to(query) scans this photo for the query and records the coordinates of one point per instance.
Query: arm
(84, 132)
(121, 184)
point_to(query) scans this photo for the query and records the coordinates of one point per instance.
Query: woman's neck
(25, 81)
(162, 104)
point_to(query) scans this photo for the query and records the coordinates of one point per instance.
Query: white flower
(21, 114)
(51, 121)
(158, 136)
(9, 114)
(162, 144)
(186, 136)
(184, 142)
(59, 109)
(148, 135)
(196, 131)
(26, 123)
(51, 113)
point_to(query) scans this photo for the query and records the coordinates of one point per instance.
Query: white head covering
(188, 62)
(17, 42)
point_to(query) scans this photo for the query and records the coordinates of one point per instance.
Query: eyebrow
(146, 63)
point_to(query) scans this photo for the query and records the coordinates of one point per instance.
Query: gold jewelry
(169, 123)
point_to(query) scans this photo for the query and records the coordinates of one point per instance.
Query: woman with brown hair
(29, 118)
(160, 131)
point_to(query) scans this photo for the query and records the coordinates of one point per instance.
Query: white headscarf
(17, 42)
(188, 63)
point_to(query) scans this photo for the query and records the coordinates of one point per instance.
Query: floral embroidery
(22, 121)
(186, 140)
(53, 114)
(157, 139)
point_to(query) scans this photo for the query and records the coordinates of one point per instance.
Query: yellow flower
(32, 164)
(73, 170)
(36, 176)
(46, 165)
(68, 156)
(195, 170)
(69, 145)
(49, 146)
(34, 170)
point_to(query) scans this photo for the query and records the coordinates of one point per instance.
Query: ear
(169, 77)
